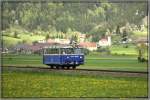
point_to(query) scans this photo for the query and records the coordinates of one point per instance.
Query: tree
(142, 48)
(15, 35)
(124, 36)
(118, 30)
(81, 17)
(47, 37)
(74, 41)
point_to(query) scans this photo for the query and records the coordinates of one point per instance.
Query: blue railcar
(63, 57)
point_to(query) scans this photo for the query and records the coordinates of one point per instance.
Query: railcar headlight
(80, 56)
(67, 57)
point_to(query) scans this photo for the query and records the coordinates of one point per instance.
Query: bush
(86, 51)
(123, 54)
(47, 37)
(142, 59)
(125, 46)
(15, 35)
(103, 49)
(115, 53)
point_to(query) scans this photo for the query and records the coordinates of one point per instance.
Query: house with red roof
(57, 40)
(88, 45)
(105, 41)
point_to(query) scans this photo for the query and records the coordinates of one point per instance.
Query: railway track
(116, 73)
(96, 70)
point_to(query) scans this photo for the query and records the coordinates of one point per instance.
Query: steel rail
(78, 69)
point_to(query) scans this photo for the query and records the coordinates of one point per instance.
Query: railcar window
(77, 51)
(52, 51)
(69, 51)
(66, 51)
(63, 51)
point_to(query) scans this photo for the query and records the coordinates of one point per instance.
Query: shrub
(86, 51)
(103, 49)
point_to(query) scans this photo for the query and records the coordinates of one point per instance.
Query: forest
(62, 19)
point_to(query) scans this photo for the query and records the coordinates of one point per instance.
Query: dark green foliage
(91, 18)
(124, 36)
(118, 30)
(86, 51)
(15, 35)
(103, 50)
(47, 37)
(142, 49)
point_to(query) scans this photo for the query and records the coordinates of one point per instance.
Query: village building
(57, 40)
(143, 39)
(82, 37)
(62, 41)
(42, 41)
(29, 49)
(36, 48)
(22, 48)
(105, 41)
(50, 41)
(88, 45)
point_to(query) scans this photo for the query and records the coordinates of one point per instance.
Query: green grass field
(119, 49)
(10, 41)
(55, 84)
(32, 38)
(115, 62)
(139, 33)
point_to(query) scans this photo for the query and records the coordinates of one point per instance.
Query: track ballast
(81, 71)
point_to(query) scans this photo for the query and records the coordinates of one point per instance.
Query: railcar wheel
(62, 67)
(57, 67)
(73, 67)
(68, 67)
(51, 66)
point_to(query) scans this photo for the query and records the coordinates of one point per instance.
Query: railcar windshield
(63, 51)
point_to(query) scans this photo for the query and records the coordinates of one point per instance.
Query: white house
(82, 37)
(60, 41)
(105, 41)
(42, 41)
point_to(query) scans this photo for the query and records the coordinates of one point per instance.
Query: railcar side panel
(51, 59)
(72, 59)
(64, 59)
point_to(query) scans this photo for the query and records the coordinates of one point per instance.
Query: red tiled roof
(103, 39)
(50, 41)
(61, 41)
(35, 47)
(87, 44)
(141, 39)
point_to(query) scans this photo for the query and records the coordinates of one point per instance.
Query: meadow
(10, 40)
(55, 84)
(92, 61)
